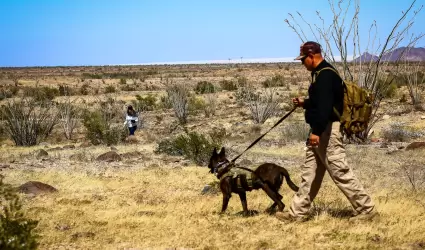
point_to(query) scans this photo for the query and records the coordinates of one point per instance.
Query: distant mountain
(409, 54)
(366, 57)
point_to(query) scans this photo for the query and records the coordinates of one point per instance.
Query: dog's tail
(285, 173)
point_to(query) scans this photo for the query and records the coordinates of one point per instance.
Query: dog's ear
(214, 153)
(222, 152)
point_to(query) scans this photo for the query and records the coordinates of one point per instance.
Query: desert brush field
(147, 193)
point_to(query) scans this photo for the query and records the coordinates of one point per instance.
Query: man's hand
(314, 140)
(298, 102)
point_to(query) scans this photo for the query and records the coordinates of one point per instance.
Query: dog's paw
(248, 213)
(270, 211)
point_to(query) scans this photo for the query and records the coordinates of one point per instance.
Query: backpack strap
(336, 72)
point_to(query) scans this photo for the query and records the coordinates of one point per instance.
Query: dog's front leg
(226, 189)
(242, 195)
(226, 198)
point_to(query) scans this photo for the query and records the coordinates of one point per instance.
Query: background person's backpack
(357, 107)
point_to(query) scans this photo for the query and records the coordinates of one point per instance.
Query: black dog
(267, 176)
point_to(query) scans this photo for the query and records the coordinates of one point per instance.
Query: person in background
(131, 120)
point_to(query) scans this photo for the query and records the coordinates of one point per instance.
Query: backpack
(357, 107)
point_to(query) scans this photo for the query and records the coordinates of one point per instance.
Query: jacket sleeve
(323, 102)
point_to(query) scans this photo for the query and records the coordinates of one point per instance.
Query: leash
(259, 138)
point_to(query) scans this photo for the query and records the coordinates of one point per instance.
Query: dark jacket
(324, 94)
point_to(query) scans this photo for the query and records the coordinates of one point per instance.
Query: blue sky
(101, 32)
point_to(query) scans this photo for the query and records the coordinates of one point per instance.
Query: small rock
(86, 144)
(245, 162)
(4, 166)
(207, 189)
(423, 117)
(109, 157)
(114, 148)
(386, 117)
(41, 153)
(75, 236)
(132, 139)
(54, 149)
(62, 227)
(36, 187)
(69, 146)
(375, 140)
(415, 145)
(385, 145)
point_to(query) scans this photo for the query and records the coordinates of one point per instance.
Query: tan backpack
(357, 108)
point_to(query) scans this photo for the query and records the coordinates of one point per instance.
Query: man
(325, 150)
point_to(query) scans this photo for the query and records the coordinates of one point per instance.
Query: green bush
(146, 103)
(296, 131)
(275, 81)
(40, 94)
(95, 126)
(16, 231)
(398, 132)
(196, 104)
(228, 85)
(204, 87)
(98, 130)
(194, 146)
(110, 89)
(84, 90)
(64, 90)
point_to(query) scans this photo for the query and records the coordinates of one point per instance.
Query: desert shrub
(242, 81)
(110, 89)
(295, 131)
(95, 126)
(84, 90)
(115, 134)
(165, 102)
(194, 146)
(69, 115)
(40, 94)
(228, 85)
(92, 76)
(128, 87)
(204, 87)
(275, 81)
(261, 105)
(386, 89)
(65, 90)
(196, 103)
(99, 131)
(146, 103)
(8, 92)
(27, 121)
(16, 230)
(123, 81)
(398, 132)
(210, 105)
(178, 96)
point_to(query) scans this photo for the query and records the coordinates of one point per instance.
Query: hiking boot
(373, 215)
(286, 217)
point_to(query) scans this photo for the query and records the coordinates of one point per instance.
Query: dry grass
(159, 206)
(150, 201)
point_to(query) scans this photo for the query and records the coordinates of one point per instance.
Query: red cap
(308, 48)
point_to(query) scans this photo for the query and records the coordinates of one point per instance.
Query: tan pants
(330, 156)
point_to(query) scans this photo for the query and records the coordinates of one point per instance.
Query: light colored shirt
(128, 120)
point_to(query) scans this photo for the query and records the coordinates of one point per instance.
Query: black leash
(259, 138)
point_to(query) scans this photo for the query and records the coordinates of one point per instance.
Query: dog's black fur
(268, 177)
